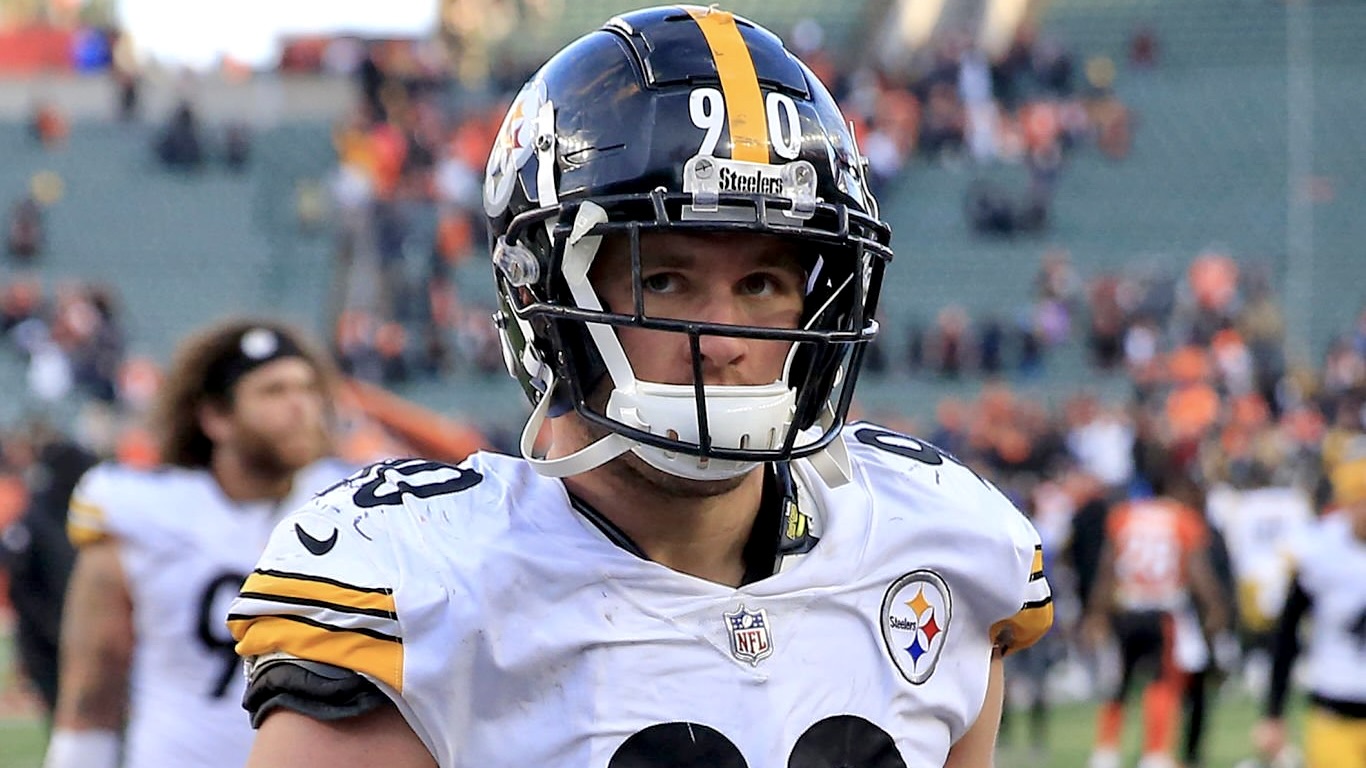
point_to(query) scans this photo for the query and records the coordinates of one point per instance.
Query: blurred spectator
(1192, 405)
(236, 146)
(1053, 68)
(90, 50)
(991, 346)
(1142, 344)
(1030, 338)
(1101, 441)
(1210, 300)
(1143, 47)
(885, 159)
(48, 125)
(950, 345)
(126, 76)
(945, 122)
(1262, 326)
(915, 346)
(40, 558)
(974, 88)
(1108, 115)
(26, 235)
(991, 209)
(1057, 280)
(1105, 336)
(370, 81)
(179, 146)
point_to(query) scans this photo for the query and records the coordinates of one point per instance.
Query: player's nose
(720, 353)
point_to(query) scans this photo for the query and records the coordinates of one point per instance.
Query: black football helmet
(679, 119)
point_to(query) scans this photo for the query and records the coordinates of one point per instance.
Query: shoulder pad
(394, 482)
(870, 443)
(99, 505)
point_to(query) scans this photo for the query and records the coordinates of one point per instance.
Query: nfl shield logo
(749, 637)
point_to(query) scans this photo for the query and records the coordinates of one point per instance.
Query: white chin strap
(749, 417)
(738, 418)
(589, 457)
(730, 410)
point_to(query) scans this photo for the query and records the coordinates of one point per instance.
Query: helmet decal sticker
(745, 113)
(707, 108)
(513, 147)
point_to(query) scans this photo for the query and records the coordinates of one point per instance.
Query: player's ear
(215, 420)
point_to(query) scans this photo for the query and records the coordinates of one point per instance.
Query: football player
(1330, 583)
(1155, 577)
(244, 432)
(705, 565)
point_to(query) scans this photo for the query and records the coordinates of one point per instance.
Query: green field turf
(1070, 732)
(21, 743)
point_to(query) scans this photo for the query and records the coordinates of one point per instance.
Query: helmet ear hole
(815, 373)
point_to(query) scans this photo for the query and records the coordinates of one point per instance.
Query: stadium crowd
(411, 154)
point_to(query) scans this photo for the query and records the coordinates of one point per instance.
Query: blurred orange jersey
(1151, 539)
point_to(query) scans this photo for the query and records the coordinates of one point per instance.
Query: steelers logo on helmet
(513, 147)
(259, 343)
(916, 614)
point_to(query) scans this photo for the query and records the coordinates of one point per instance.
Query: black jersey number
(842, 741)
(910, 447)
(211, 627)
(390, 481)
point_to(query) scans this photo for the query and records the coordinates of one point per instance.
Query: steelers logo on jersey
(916, 614)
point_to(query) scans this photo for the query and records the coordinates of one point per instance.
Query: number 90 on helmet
(682, 120)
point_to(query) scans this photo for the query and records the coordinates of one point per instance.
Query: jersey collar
(764, 553)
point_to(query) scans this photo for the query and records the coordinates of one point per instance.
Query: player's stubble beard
(264, 456)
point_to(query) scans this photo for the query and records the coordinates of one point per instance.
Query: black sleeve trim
(320, 691)
(1286, 647)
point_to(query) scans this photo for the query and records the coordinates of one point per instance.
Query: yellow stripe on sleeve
(268, 584)
(739, 84)
(381, 659)
(1037, 566)
(86, 523)
(1026, 627)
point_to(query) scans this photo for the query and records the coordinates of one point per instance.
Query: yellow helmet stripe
(739, 84)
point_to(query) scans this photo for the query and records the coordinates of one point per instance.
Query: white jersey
(511, 631)
(1332, 570)
(1258, 527)
(185, 549)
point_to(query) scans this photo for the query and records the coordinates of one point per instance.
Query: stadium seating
(1209, 33)
(841, 21)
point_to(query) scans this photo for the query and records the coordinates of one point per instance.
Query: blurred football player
(1330, 583)
(244, 432)
(1157, 592)
(705, 566)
